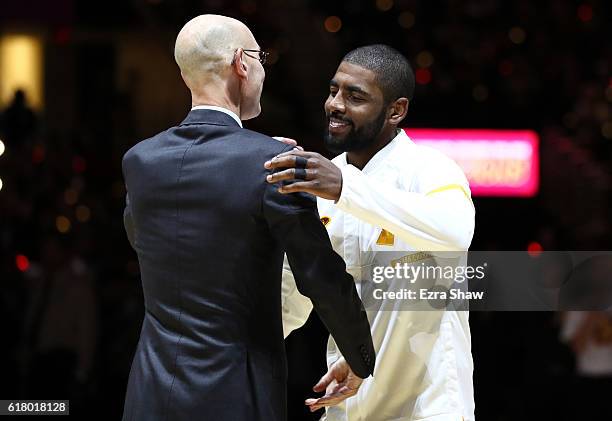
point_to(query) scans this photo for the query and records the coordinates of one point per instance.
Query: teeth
(334, 122)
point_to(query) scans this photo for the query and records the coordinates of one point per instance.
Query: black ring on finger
(300, 174)
(301, 162)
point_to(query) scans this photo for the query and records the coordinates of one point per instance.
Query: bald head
(210, 51)
(205, 46)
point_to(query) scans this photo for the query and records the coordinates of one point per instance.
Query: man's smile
(337, 125)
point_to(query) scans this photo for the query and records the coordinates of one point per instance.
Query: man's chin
(334, 144)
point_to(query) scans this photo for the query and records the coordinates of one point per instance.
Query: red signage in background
(496, 162)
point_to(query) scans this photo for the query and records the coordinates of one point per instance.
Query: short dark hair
(393, 72)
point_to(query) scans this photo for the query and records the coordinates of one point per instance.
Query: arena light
(22, 262)
(534, 249)
(62, 224)
(21, 67)
(503, 163)
(2, 148)
(332, 24)
(83, 213)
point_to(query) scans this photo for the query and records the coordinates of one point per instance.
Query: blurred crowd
(70, 298)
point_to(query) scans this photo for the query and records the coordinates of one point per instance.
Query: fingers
(297, 153)
(334, 389)
(288, 159)
(286, 140)
(303, 186)
(289, 141)
(301, 162)
(330, 399)
(290, 174)
(323, 382)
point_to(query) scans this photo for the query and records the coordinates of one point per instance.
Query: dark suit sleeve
(320, 274)
(127, 221)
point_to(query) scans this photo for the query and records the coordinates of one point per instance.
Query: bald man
(210, 234)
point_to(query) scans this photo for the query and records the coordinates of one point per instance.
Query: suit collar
(208, 116)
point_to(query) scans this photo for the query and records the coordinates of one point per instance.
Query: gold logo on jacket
(385, 238)
(325, 220)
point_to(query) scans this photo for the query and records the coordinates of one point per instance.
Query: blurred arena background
(82, 81)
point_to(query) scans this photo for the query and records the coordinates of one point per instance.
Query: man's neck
(216, 98)
(361, 157)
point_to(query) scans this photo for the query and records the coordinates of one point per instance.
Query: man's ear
(239, 65)
(398, 110)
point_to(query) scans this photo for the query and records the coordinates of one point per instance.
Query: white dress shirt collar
(221, 109)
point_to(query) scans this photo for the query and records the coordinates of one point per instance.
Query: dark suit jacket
(210, 234)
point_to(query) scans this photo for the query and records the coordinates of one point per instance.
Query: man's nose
(336, 104)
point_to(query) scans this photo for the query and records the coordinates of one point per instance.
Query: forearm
(439, 222)
(320, 274)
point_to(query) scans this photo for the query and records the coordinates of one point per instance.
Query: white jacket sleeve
(296, 307)
(441, 218)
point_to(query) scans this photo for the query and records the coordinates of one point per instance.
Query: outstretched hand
(311, 173)
(339, 383)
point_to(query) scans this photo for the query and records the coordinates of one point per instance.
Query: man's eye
(356, 98)
(332, 92)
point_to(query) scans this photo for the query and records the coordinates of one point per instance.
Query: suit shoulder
(137, 154)
(263, 143)
(142, 146)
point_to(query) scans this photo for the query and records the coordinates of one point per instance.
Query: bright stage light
(21, 67)
(1, 147)
(495, 162)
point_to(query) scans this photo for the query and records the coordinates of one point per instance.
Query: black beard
(355, 139)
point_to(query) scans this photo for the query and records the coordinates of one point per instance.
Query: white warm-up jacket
(407, 199)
